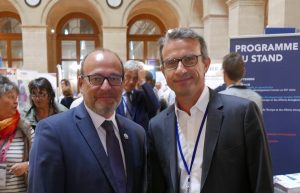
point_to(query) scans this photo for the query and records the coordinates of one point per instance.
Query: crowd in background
(24, 111)
(129, 92)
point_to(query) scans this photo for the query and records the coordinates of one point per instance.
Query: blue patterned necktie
(115, 156)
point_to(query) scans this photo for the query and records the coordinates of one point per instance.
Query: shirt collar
(234, 84)
(98, 119)
(201, 103)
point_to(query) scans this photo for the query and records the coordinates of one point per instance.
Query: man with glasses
(90, 148)
(139, 105)
(206, 142)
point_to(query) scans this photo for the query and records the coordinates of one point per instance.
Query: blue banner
(273, 70)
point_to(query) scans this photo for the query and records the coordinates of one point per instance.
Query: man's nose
(105, 84)
(180, 67)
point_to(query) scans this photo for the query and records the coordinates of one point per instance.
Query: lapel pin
(125, 136)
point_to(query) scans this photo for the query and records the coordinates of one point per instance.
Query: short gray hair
(183, 33)
(7, 85)
(132, 65)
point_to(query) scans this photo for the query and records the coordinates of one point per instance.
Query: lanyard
(188, 170)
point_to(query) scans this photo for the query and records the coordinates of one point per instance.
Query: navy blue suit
(68, 157)
(144, 105)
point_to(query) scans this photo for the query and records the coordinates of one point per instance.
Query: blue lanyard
(195, 147)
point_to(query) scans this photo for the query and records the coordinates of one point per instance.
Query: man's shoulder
(243, 93)
(129, 124)
(64, 117)
(231, 100)
(230, 91)
(164, 114)
(60, 123)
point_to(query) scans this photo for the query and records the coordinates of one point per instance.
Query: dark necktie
(129, 97)
(115, 156)
(128, 113)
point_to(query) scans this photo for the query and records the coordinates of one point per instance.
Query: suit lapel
(88, 131)
(171, 145)
(214, 121)
(128, 154)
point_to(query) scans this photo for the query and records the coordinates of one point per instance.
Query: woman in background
(67, 93)
(15, 140)
(42, 99)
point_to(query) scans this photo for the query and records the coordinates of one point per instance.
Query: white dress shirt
(97, 121)
(188, 129)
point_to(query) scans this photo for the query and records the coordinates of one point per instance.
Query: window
(77, 36)
(77, 26)
(11, 49)
(143, 33)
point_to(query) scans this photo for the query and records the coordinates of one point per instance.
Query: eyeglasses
(97, 79)
(39, 95)
(187, 61)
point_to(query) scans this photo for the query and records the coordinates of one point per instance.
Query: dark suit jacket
(236, 155)
(144, 105)
(68, 157)
(67, 101)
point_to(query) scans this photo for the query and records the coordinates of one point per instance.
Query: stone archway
(57, 12)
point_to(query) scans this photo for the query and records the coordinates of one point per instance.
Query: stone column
(114, 38)
(246, 17)
(216, 35)
(35, 48)
(284, 13)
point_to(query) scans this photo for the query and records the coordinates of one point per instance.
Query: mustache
(183, 77)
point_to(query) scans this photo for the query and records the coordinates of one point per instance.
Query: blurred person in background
(67, 93)
(234, 69)
(151, 81)
(23, 96)
(42, 100)
(15, 140)
(139, 105)
(220, 87)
